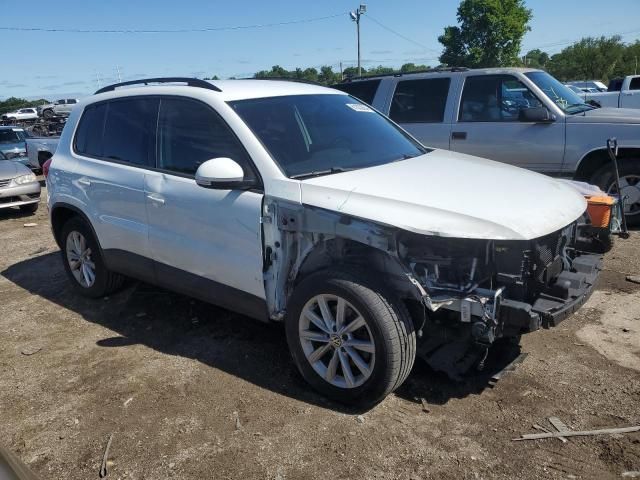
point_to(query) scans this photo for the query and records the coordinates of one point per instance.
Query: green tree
(412, 67)
(328, 76)
(536, 59)
(590, 59)
(489, 34)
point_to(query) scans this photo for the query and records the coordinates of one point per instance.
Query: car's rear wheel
(351, 339)
(83, 261)
(29, 209)
(47, 113)
(629, 171)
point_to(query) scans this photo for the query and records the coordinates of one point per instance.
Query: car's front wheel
(629, 171)
(83, 261)
(351, 339)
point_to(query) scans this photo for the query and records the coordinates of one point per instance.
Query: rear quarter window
(364, 90)
(420, 101)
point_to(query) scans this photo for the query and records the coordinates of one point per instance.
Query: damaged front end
(479, 291)
(464, 294)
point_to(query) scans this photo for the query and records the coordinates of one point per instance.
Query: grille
(548, 248)
(4, 183)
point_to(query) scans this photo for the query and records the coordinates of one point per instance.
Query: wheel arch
(598, 158)
(61, 213)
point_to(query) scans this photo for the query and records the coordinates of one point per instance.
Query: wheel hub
(336, 341)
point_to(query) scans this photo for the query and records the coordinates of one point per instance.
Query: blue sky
(58, 64)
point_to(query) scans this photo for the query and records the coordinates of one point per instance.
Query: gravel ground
(192, 391)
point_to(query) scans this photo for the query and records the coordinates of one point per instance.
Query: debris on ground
(631, 474)
(31, 350)
(633, 278)
(509, 368)
(237, 421)
(127, 402)
(30, 225)
(103, 468)
(559, 426)
(583, 433)
(360, 419)
(425, 406)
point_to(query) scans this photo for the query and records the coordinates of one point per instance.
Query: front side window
(495, 98)
(420, 101)
(190, 133)
(311, 135)
(364, 90)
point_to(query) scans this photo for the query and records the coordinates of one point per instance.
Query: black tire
(29, 209)
(47, 113)
(605, 178)
(387, 320)
(106, 281)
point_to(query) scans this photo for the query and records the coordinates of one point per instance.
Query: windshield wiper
(319, 173)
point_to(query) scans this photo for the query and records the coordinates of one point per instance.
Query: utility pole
(119, 76)
(341, 75)
(355, 16)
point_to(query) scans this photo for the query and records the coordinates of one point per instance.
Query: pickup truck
(39, 150)
(520, 116)
(622, 93)
(60, 107)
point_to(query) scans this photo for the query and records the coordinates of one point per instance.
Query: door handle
(84, 182)
(155, 198)
(459, 135)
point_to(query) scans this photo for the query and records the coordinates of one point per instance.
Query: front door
(487, 125)
(205, 242)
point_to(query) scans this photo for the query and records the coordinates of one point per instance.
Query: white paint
(453, 195)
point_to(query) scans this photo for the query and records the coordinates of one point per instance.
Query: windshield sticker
(358, 107)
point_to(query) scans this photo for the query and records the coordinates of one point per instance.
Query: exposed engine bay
(463, 294)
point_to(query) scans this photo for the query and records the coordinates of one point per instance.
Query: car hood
(11, 169)
(607, 115)
(452, 195)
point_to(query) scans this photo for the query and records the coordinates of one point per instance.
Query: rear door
(205, 242)
(419, 107)
(487, 125)
(115, 141)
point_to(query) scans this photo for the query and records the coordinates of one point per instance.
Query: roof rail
(192, 82)
(286, 79)
(400, 74)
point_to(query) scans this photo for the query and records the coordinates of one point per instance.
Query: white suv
(293, 202)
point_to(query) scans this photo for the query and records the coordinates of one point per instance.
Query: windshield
(11, 136)
(567, 100)
(311, 135)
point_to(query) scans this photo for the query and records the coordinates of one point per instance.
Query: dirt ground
(192, 391)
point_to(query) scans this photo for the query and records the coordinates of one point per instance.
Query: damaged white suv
(293, 202)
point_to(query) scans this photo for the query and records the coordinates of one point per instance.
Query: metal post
(358, 30)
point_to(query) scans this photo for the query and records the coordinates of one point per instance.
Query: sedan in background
(19, 187)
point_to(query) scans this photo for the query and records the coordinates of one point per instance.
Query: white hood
(451, 195)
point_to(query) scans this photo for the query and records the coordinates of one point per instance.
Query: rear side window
(190, 133)
(420, 101)
(634, 84)
(89, 134)
(122, 130)
(129, 131)
(365, 90)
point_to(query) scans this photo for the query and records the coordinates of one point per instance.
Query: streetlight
(355, 16)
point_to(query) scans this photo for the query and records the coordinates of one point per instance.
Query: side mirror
(535, 115)
(222, 173)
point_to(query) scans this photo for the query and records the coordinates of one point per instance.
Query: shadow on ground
(178, 325)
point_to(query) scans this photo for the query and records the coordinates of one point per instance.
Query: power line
(368, 16)
(182, 30)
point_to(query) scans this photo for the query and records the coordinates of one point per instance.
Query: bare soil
(192, 391)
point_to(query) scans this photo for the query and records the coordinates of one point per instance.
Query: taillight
(45, 167)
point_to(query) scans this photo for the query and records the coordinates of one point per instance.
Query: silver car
(18, 186)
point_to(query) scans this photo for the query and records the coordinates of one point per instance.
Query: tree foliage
(536, 59)
(594, 59)
(489, 34)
